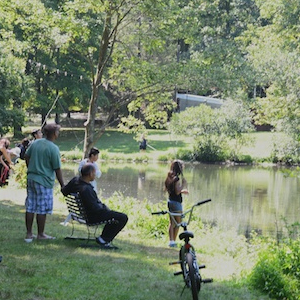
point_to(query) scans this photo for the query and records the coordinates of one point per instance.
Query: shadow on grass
(61, 269)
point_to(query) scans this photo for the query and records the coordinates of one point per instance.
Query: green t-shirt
(44, 160)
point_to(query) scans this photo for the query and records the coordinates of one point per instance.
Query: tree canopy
(123, 60)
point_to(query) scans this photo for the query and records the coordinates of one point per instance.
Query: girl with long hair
(175, 185)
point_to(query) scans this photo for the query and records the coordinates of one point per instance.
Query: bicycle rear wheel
(193, 276)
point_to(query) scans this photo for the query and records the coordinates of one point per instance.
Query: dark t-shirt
(172, 193)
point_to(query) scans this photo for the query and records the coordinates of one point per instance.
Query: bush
(75, 154)
(209, 150)
(20, 174)
(246, 159)
(286, 151)
(277, 271)
(143, 220)
(185, 155)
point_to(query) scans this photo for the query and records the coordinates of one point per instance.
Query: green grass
(262, 144)
(61, 269)
(118, 145)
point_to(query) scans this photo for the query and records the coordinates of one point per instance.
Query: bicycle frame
(187, 254)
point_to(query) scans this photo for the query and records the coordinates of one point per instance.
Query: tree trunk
(89, 137)
(90, 123)
(57, 119)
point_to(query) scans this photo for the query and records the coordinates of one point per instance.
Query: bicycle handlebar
(163, 212)
(159, 213)
(202, 202)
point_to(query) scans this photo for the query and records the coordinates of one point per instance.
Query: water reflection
(244, 197)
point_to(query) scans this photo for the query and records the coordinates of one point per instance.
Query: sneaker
(172, 244)
(105, 245)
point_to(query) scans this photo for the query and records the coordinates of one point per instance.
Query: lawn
(61, 269)
(139, 270)
(160, 142)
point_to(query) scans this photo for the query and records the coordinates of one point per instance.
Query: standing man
(43, 163)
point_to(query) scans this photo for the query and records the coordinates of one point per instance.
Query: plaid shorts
(39, 199)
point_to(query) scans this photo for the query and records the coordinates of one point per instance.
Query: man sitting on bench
(95, 209)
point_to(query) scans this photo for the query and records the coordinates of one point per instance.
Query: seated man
(96, 210)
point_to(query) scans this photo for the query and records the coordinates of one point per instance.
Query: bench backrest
(76, 208)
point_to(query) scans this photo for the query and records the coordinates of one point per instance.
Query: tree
(14, 85)
(218, 133)
(273, 51)
(122, 68)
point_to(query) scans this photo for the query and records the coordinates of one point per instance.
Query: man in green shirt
(44, 164)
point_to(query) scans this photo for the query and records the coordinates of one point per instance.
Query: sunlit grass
(61, 269)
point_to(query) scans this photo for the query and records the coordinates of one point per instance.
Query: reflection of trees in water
(245, 198)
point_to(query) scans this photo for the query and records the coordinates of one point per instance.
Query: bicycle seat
(186, 234)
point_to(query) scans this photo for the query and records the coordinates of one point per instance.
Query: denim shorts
(174, 206)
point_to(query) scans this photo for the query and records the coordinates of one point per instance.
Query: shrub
(184, 154)
(209, 150)
(104, 155)
(167, 157)
(285, 150)
(75, 154)
(247, 159)
(144, 221)
(20, 174)
(277, 271)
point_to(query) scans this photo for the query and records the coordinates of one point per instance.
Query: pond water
(243, 197)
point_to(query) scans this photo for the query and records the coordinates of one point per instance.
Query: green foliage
(10, 118)
(278, 267)
(285, 151)
(209, 150)
(277, 271)
(213, 129)
(121, 273)
(20, 174)
(246, 159)
(185, 154)
(75, 154)
(140, 213)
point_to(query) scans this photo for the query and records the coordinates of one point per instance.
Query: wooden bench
(78, 213)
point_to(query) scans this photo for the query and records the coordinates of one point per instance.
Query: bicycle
(187, 254)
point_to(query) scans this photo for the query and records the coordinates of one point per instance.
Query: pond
(245, 198)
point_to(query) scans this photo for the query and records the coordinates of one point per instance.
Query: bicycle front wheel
(192, 273)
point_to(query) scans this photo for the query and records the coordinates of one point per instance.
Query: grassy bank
(116, 145)
(61, 269)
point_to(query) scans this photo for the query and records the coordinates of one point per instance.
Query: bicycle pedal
(178, 273)
(207, 280)
(174, 262)
(202, 267)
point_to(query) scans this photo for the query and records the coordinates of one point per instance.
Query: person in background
(175, 186)
(23, 147)
(93, 157)
(96, 210)
(44, 164)
(14, 154)
(37, 134)
(143, 143)
(5, 161)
